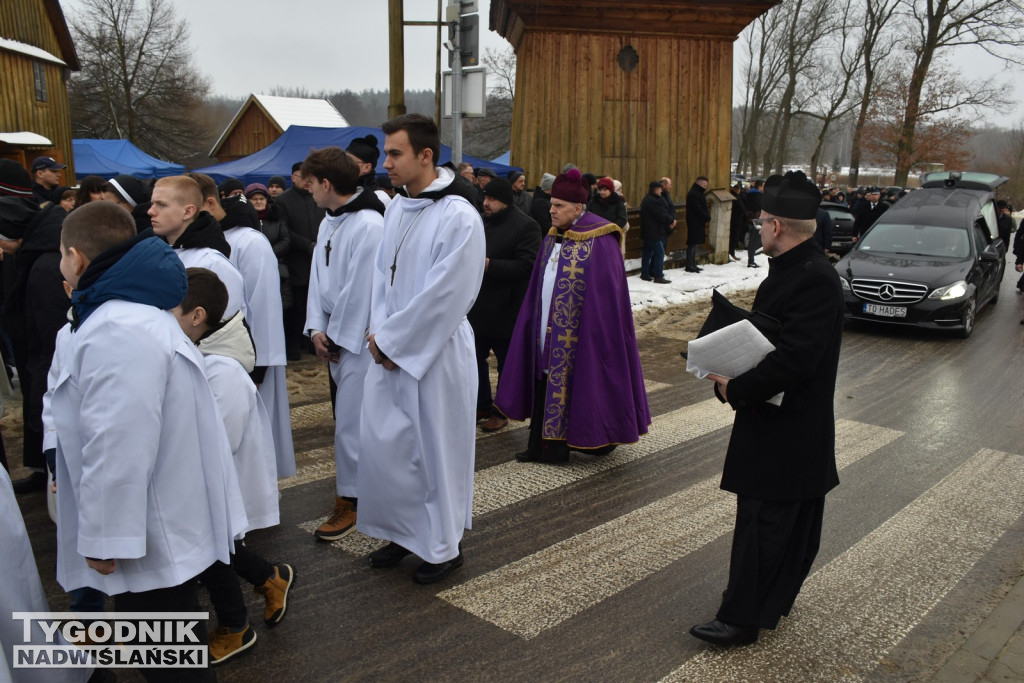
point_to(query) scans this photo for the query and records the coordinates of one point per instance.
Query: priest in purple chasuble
(573, 367)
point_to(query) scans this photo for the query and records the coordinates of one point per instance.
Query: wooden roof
(719, 20)
(283, 112)
(60, 28)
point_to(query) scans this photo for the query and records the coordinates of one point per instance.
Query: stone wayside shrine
(634, 90)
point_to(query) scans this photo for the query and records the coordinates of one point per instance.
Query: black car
(932, 260)
(842, 227)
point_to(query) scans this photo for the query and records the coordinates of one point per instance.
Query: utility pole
(396, 54)
(455, 31)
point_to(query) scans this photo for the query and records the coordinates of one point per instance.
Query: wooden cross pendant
(327, 253)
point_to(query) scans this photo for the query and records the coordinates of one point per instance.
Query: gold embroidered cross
(569, 338)
(560, 395)
(572, 269)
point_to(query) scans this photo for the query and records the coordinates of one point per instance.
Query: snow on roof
(285, 112)
(26, 139)
(298, 111)
(30, 51)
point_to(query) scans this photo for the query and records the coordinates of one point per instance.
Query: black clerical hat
(791, 196)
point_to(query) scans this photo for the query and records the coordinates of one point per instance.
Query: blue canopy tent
(109, 158)
(296, 142)
(505, 158)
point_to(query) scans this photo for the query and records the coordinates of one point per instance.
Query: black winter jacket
(513, 239)
(303, 217)
(612, 209)
(655, 220)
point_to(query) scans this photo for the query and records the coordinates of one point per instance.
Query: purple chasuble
(594, 394)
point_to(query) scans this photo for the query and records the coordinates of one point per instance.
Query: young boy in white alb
(338, 309)
(147, 496)
(254, 258)
(229, 357)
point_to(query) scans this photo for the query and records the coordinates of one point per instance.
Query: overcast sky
(247, 46)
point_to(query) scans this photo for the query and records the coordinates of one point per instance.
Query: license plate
(886, 311)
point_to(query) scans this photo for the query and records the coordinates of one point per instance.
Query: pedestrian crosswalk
(855, 609)
(542, 590)
(851, 612)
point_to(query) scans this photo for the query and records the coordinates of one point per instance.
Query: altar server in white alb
(418, 427)
(23, 592)
(147, 495)
(195, 235)
(254, 258)
(229, 357)
(338, 309)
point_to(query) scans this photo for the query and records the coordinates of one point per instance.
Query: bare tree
(935, 26)
(761, 71)
(877, 43)
(137, 80)
(809, 22)
(489, 136)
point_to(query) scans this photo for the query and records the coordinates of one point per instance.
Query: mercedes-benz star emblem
(886, 292)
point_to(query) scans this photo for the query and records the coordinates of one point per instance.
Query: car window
(980, 239)
(917, 240)
(988, 211)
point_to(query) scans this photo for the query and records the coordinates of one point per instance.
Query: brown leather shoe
(494, 423)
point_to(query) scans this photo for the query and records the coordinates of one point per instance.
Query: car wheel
(970, 313)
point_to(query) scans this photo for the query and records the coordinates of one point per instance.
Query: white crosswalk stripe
(513, 482)
(542, 590)
(857, 608)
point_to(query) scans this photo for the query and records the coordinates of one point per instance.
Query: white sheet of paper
(729, 352)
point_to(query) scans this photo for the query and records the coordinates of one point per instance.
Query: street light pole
(454, 22)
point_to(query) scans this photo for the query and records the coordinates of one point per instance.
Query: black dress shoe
(720, 633)
(432, 573)
(646, 278)
(33, 482)
(662, 281)
(753, 265)
(388, 556)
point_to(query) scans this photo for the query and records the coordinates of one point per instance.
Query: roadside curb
(995, 651)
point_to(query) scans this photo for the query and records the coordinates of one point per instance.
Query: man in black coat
(513, 239)
(753, 202)
(540, 209)
(655, 224)
(867, 210)
(781, 458)
(1004, 222)
(303, 216)
(697, 217)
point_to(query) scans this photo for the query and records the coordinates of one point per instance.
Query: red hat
(570, 187)
(606, 183)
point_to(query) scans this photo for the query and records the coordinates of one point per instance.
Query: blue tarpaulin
(109, 158)
(297, 141)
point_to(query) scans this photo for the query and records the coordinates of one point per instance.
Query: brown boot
(275, 592)
(341, 522)
(224, 644)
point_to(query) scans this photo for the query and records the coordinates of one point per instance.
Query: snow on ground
(688, 287)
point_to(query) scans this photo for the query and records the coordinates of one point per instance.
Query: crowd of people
(188, 299)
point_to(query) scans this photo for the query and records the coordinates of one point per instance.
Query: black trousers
(183, 598)
(773, 547)
(295, 319)
(221, 582)
(484, 345)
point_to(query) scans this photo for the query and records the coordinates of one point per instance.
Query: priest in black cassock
(781, 459)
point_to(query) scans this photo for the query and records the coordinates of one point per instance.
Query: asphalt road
(595, 571)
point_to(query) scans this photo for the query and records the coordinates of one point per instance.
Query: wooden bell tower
(634, 90)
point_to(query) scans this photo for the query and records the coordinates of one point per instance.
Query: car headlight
(846, 285)
(953, 291)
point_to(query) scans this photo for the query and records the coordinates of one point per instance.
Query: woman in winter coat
(275, 227)
(608, 204)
